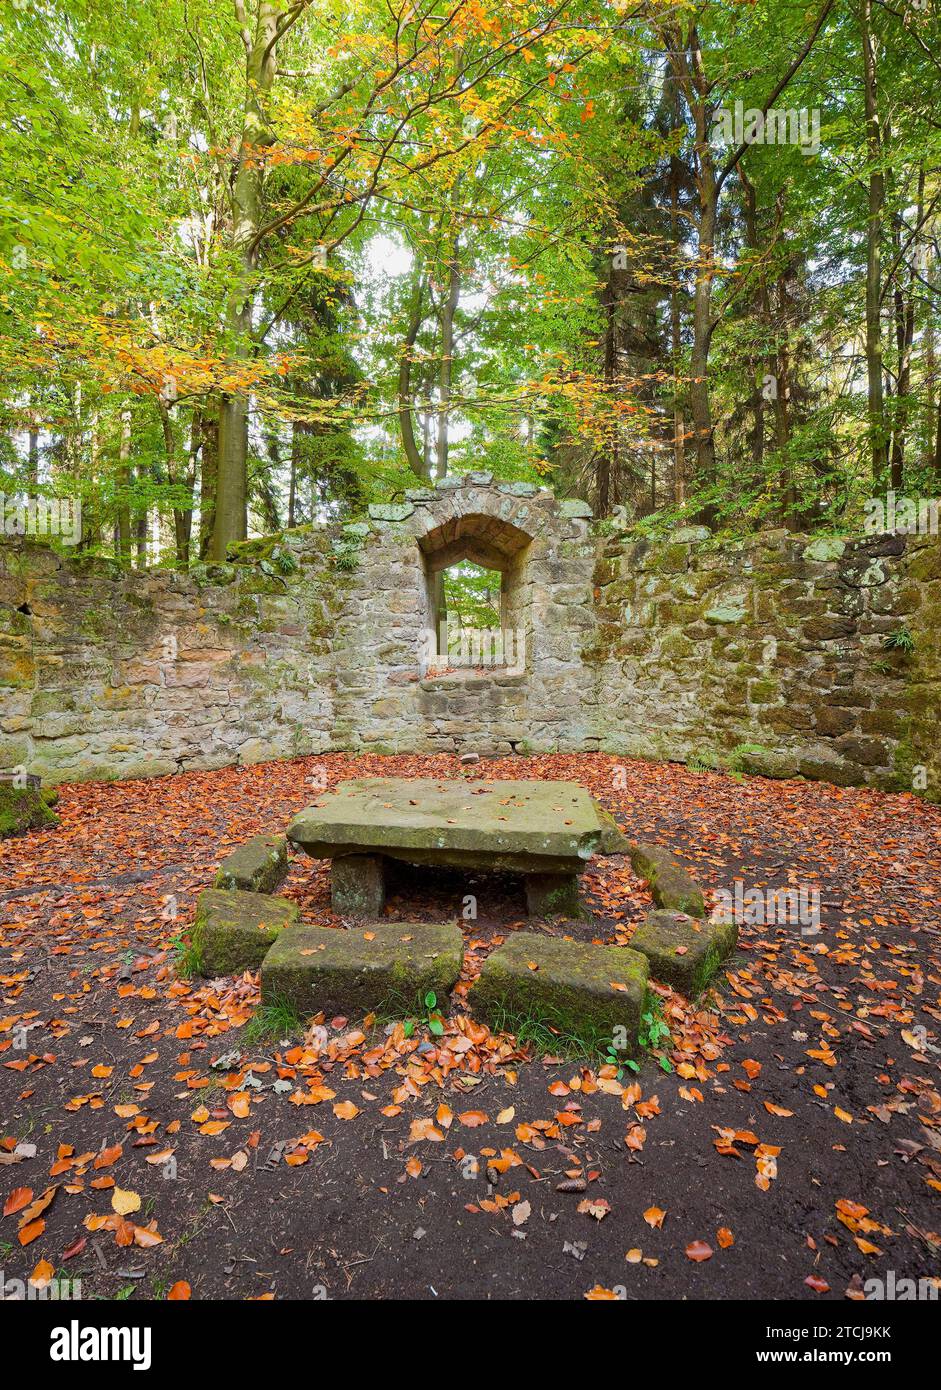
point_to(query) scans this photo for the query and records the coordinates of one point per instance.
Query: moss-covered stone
(260, 866)
(553, 895)
(23, 808)
(613, 839)
(234, 930)
(670, 885)
(385, 968)
(576, 989)
(768, 762)
(684, 951)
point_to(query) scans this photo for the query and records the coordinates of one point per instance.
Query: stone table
(546, 831)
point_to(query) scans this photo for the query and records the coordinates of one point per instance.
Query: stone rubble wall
(771, 651)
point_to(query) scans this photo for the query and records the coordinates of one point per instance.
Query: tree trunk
(124, 483)
(874, 252)
(446, 373)
(230, 518)
(413, 454)
(208, 472)
(700, 406)
(292, 486)
(676, 341)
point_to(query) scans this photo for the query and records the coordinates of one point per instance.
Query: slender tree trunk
(230, 517)
(292, 486)
(32, 457)
(874, 251)
(676, 340)
(446, 372)
(182, 518)
(413, 454)
(763, 308)
(208, 472)
(904, 306)
(124, 483)
(700, 406)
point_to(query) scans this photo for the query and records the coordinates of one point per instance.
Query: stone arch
(487, 540)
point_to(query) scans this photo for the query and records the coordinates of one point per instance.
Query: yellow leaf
(124, 1202)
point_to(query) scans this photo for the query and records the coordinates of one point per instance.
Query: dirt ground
(784, 1144)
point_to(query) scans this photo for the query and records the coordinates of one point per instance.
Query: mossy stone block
(234, 930)
(260, 866)
(23, 808)
(579, 989)
(385, 967)
(551, 895)
(613, 839)
(684, 951)
(670, 886)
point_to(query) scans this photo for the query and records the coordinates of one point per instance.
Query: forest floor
(791, 1150)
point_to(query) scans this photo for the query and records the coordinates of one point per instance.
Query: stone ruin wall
(774, 646)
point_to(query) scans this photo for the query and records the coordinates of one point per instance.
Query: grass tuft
(270, 1023)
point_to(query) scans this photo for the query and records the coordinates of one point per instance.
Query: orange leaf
(17, 1200)
(30, 1232)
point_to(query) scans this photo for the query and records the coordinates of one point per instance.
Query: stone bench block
(583, 991)
(670, 886)
(549, 895)
(613, 839)
(358, 885)
(684, 951)
(260, 866)
(385, 967)
(234, 930)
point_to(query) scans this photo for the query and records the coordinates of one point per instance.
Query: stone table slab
(527, 827)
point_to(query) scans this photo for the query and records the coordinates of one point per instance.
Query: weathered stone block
(24, 808)
(358, 885)
(549, 895)
(576, 989)
(613, 839)
(386, 968)
(684, 951)
(522, 827)
(234, 930)
(260, 866)
(670, 885)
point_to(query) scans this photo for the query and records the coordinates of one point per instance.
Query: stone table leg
(550, 894)
(358, 885)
